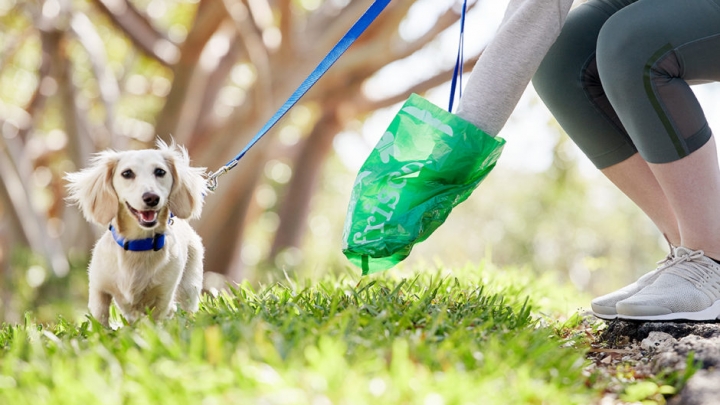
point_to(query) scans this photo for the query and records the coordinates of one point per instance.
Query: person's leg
(649, 89)
(507, 64)
(569, 84)
(636, 180)
(692, 185)
(647, 53)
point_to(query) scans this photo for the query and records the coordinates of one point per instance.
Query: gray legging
(617, 78)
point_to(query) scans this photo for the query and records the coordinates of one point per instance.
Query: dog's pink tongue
(148, 216)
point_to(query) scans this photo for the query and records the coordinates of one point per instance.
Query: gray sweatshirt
(510, 60)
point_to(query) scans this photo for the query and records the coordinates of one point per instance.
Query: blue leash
(458, 72)
(355, 31)
(360, 26)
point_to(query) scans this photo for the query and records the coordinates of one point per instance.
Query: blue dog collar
(139, 245)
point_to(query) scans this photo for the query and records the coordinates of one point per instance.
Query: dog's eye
(160, 172)
(128, 174)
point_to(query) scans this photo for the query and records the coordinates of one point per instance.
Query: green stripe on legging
(647, 80)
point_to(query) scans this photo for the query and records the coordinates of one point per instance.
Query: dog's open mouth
(147, 219)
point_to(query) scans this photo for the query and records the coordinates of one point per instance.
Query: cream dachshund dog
(150, 258)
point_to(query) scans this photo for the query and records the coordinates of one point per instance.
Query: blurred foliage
(558, 222)
(555, 225)
(30, 287)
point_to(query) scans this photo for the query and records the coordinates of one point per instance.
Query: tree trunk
(223, 222)
(295, 205)
(210, 15)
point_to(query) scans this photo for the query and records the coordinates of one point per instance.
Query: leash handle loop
(355, 31)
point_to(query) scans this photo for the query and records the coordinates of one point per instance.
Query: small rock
(702, 389)
(658, 342)
(705, 351)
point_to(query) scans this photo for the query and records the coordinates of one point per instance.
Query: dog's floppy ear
(189, 185)
(91, 188)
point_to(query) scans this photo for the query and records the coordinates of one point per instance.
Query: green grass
(474, 337)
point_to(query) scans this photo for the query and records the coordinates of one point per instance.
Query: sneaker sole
(709, 314)
(604, 316)
(603, 312)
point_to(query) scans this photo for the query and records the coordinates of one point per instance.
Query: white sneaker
(604, 306)
(689, 288)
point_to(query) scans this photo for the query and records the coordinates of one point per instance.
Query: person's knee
(615, 47)
(625, 56)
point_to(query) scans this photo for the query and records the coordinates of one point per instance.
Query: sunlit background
(72, 83)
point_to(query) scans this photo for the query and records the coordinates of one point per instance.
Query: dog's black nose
(151, 199)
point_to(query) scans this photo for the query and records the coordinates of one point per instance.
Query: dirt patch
(653, 348)
(619, 331)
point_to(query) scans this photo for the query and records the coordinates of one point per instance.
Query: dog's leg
(188, 291)
(99, 305)
(161, 305)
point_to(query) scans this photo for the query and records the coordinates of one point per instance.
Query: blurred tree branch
(210, 14)
(363, 105)
(136, 27)
(107, 82)
(32, 228)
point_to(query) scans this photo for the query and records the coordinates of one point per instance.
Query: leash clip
(212, 180)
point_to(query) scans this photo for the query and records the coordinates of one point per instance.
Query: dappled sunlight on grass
(445, 337)
(552, 296)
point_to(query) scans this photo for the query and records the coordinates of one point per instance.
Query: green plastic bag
(427, 162)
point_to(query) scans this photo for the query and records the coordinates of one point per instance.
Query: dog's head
(145, 183)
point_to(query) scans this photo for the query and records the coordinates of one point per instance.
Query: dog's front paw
(99, 306)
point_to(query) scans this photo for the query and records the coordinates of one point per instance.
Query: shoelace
(662, 264)
(694, 269)
(668, 261)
